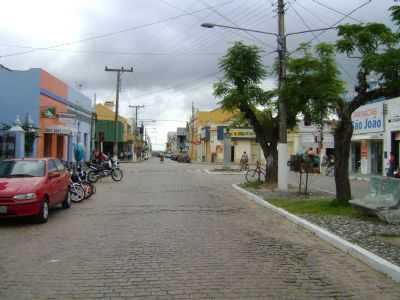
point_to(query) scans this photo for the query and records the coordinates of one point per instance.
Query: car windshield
(22, 168)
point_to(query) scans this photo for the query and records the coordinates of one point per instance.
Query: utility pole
(283, 172)
(136, 107)
(119, 71)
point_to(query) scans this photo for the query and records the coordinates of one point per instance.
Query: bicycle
(255, 175)
(76, 191)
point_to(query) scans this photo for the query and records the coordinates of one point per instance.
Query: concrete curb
(223, 173)
(359, 178)
(377, 263)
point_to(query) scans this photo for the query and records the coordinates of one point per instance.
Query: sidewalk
(326, 184)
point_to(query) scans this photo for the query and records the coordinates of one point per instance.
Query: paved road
(173, 232)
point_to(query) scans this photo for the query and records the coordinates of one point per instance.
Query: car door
(53, 185)
(64, 179)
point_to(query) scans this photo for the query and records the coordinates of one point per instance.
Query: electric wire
(109, 34)
(315, 36)
(336, 11)
(336, 23)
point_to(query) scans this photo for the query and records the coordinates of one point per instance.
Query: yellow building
(104, 136)
(203, 133)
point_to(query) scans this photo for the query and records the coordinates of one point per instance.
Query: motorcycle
(105, 169)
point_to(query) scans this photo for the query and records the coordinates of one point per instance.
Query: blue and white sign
(368, 118)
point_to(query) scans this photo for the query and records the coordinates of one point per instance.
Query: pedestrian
(392, 165)
(244, 161)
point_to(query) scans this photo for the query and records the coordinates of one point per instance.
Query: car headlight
(28, 196)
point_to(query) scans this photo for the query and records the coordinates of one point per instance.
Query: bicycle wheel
(116, 174)
(88, 188)
(251, 176)
(77, 193)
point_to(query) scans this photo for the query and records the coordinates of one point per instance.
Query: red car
(29, 187)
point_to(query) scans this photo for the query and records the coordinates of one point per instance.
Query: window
(59, 165)
(51, 166)
(22, 168)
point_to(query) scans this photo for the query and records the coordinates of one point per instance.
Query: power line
(105, 35)
(336, 11)
(233, 23)
(122, 53)
(315, 36)
(336, 23)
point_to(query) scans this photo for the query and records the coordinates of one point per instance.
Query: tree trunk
(271, 157)
(342, 136)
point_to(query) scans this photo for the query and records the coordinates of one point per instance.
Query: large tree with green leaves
(240, 90)
(315, 80)
(313, 83)
(374, 45)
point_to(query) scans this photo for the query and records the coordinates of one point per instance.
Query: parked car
(29, 187)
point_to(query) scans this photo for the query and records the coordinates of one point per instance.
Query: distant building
(104, 134)
(59, 117)
(172, 145)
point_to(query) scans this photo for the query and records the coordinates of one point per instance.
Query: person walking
(244, 161)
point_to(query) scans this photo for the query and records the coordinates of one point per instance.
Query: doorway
(355, 157)
(377, 157)
(47, 145)
(232, 153)
(60, 146)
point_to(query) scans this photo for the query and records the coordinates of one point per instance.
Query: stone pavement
(170, 231)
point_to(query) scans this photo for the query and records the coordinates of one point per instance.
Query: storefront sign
(49, 112)
(368, 118)
(242, 133)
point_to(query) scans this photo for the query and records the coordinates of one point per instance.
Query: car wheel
(67, 201)
(43, 214)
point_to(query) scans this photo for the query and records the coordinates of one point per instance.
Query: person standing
(392, 165)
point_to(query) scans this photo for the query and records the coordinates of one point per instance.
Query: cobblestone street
(170, 231)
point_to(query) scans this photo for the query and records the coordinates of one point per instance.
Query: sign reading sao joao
(368, 118)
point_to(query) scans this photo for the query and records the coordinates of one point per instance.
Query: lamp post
(283, 170)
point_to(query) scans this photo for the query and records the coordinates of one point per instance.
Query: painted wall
(79, 99)
(19, 95)
(50, 84)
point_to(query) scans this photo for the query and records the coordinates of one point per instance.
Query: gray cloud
(175, 62)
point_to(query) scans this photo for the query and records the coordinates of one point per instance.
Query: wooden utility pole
(283, 171)
(119, 71)
(136, 107)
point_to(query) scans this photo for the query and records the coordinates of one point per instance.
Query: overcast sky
(174, 59)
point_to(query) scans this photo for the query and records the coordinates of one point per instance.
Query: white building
(376, 134)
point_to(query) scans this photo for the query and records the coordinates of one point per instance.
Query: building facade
(376, 133)
(60, 116)
(104, 132)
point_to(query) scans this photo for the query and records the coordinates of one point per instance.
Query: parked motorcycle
(104, 169)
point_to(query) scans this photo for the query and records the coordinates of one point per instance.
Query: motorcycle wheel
(117, 175)
(92, 176)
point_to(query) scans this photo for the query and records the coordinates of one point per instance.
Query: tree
(239, 90)
(374, 45)
(313, 83)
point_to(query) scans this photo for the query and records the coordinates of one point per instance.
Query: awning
(58, 129)
(362, 137)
